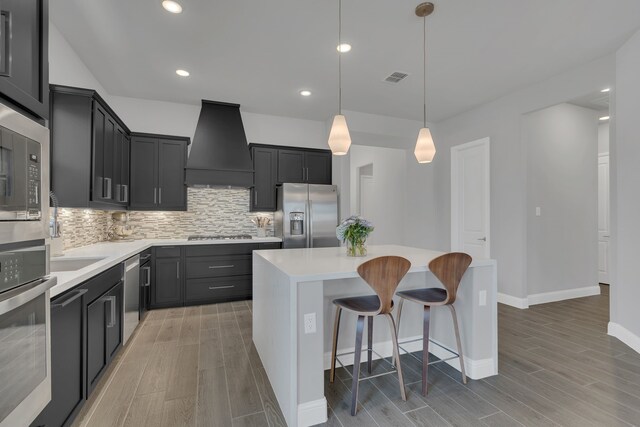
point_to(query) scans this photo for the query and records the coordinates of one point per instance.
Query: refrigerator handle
(310, 223)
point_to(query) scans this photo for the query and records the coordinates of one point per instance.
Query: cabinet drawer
(221, 249)
(275, 245)
(167, 251)
(218, 289)
(218, 266)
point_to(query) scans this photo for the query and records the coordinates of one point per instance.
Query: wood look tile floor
(197, 366)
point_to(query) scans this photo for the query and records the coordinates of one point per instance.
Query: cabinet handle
(307, 174)
(160, 195)
(68, 301)
(112, 315)
(213, 288)
(147, 280)
(221, 266)
(5, 44)
(107, 182)
(147, 256)
(177, 270)
(255, 197)
(125, 198)
(155, 190)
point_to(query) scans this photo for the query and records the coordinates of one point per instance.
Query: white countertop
(116, 252)
(333, 263)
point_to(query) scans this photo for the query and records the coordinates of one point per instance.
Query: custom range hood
(219, 154)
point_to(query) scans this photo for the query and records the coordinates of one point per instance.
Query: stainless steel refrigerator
(307, 215)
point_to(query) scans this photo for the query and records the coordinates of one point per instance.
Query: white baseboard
(546, 297)
(563, 295)
(475, 369)
(513, 301)
(312, 413)
(624, 335)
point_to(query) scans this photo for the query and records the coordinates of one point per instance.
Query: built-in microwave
(24, 177)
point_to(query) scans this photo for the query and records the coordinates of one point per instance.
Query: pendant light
(339, 138)
(425, 148)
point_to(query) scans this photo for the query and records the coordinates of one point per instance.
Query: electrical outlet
(482, 298)
(310, 323)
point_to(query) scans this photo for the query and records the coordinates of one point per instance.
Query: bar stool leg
(458, 341)
(400, 304)
(369, 342)
(356, 366)
(396, 354)
(425, 348)
(336, 328)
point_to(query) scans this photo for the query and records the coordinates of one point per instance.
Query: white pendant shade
(339, 138)
(425, 148)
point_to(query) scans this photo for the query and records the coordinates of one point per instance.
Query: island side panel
(274, 332)
(312, 405)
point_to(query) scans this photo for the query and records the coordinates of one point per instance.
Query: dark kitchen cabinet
(67, 360)
(265, 166)
(104, 333)
(291, 167)
(158, 165)
(275, 165)
(167, 282)
(304, 166)
(24, 61)
(89, 151)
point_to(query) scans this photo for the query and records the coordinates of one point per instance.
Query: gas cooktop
(220, 237)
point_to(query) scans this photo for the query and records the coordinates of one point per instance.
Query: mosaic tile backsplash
(210, 211)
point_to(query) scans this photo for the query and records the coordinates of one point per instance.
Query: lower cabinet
(104, 333)
(67, 360)
(167, 286)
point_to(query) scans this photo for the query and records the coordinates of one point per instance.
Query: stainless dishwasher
(131, 296)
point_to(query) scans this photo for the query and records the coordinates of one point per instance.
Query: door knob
(484, 239)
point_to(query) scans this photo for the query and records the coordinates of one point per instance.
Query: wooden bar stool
(383, 275)
(449, 269)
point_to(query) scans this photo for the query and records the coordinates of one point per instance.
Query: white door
(366, 196)
(603, 218)
(470, 198)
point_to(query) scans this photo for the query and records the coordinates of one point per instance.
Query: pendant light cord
(339, 57)
(424, 69)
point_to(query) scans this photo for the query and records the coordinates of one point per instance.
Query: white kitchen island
(289, 283)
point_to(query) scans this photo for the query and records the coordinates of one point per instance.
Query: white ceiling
(261, 53)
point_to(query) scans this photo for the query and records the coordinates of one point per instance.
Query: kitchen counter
(114, 253)
(291, 283)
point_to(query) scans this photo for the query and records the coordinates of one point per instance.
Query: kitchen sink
(71, 264)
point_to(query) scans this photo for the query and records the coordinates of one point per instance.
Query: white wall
(561, 144)
(430, 187)
(388, 183)
(625, 203)
(603, 138)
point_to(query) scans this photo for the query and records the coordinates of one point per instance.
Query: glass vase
(356, 248)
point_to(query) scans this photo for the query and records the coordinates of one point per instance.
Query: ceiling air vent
(396, 77)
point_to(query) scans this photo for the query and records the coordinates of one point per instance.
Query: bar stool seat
(367, 305)
(383, 275)
(431, 296)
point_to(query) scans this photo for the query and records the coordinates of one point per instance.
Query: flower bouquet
(354, 230)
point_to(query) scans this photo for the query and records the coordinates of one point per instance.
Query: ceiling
(596, 101)
(261, 53)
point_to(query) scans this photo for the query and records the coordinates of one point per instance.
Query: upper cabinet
(276, 165)
(24, 61)
(158, 165)
(89, 151)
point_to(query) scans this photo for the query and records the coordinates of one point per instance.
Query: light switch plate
(310, 323)
(482, 298)
(538, 211)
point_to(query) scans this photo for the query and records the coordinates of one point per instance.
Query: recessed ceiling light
(305, 92)
(604, 118)
(182, 73)
(605, 90)
(343, 47)
(171, 6)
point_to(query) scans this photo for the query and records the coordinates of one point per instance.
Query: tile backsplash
(210, 211)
